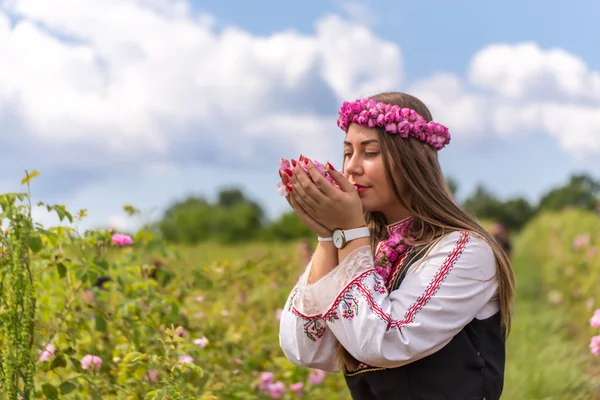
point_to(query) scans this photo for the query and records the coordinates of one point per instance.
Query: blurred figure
(500, 233)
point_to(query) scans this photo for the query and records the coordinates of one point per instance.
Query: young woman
(406, 293)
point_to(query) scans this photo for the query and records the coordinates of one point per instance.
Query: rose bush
(101, 314)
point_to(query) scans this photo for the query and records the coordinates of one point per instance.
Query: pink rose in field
(595, 345)
(266, 378)
(276, 390)
(202, 342)
(88, 296)
(278, 314)
(238, 361)
(91, 362)
(184, 359)
(121, 240)
(581, 241)
(48, 353)
(595, 320)
(180, 333)
(199, 298)
(316, 376)
(153, 375)
(297, 388)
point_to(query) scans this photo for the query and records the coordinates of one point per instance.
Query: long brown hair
(432, 207)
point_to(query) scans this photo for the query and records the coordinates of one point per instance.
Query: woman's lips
(360, 188)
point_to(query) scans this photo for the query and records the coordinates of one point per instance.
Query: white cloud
(511, 91)
(526, 71)
(125, 87)
(145, 77)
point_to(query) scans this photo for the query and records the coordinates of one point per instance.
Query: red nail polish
(329, 166)
(289, 187)
(305, 160)
(301, 157)
(294, 163)
(288, 171)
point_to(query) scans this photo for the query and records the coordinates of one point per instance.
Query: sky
(146, 102)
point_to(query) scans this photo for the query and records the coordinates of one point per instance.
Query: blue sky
(147, 101)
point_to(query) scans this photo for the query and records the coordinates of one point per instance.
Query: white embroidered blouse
(440, 294)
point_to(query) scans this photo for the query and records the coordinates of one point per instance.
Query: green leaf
(100, 323)
(49, 391)
(35, 243)
(67, 387)
(96, 395)
(102, 265)
(62, 270)
(29, 177)
(58, 362)
(134, 356)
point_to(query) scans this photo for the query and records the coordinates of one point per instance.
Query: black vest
(470, 367)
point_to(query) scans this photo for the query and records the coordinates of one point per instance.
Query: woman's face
(364, 167)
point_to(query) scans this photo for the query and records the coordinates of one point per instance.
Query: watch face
(338, 239)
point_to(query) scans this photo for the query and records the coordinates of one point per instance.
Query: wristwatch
(341, 237)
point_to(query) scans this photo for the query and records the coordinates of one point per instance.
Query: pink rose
(48, 353)
(297, 388)
(153, 375)
(202, 342)
(595, 345)
(121, 240)
(391, 255)
(265, 380)
(276, 390)
(382, 272)
(595, 320)
(91, 362)
(316, 376)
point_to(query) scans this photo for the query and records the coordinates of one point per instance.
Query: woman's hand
(331, 207)
(310, 223)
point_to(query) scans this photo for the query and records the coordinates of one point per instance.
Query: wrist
(359, 223)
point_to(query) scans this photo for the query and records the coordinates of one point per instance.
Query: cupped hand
(329, 206)
(306, 219)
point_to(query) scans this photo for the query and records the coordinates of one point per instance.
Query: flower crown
(402, 121)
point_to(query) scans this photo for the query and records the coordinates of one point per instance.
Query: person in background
(500, 233)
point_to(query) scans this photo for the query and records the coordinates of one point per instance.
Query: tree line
(235, 218)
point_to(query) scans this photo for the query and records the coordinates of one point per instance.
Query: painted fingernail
(301, 157)
(329, 166)
(294, 163)
(289, 187)
(289, 171)
(305, 160)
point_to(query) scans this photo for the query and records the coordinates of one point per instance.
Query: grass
(546, 358)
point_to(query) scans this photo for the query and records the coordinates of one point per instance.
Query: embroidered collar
(397, 225)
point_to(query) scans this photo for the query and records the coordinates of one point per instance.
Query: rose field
(115, 315)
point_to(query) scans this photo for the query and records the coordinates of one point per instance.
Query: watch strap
(357, 233)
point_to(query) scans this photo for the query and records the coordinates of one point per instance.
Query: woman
(405, 292)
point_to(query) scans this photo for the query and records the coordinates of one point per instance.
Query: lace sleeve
(314, 299)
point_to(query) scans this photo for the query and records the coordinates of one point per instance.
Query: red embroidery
(314, 327)
(430, 291)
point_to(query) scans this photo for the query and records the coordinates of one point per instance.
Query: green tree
(513, 213)
(581, 192)
(233, 218)
(287, 227)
